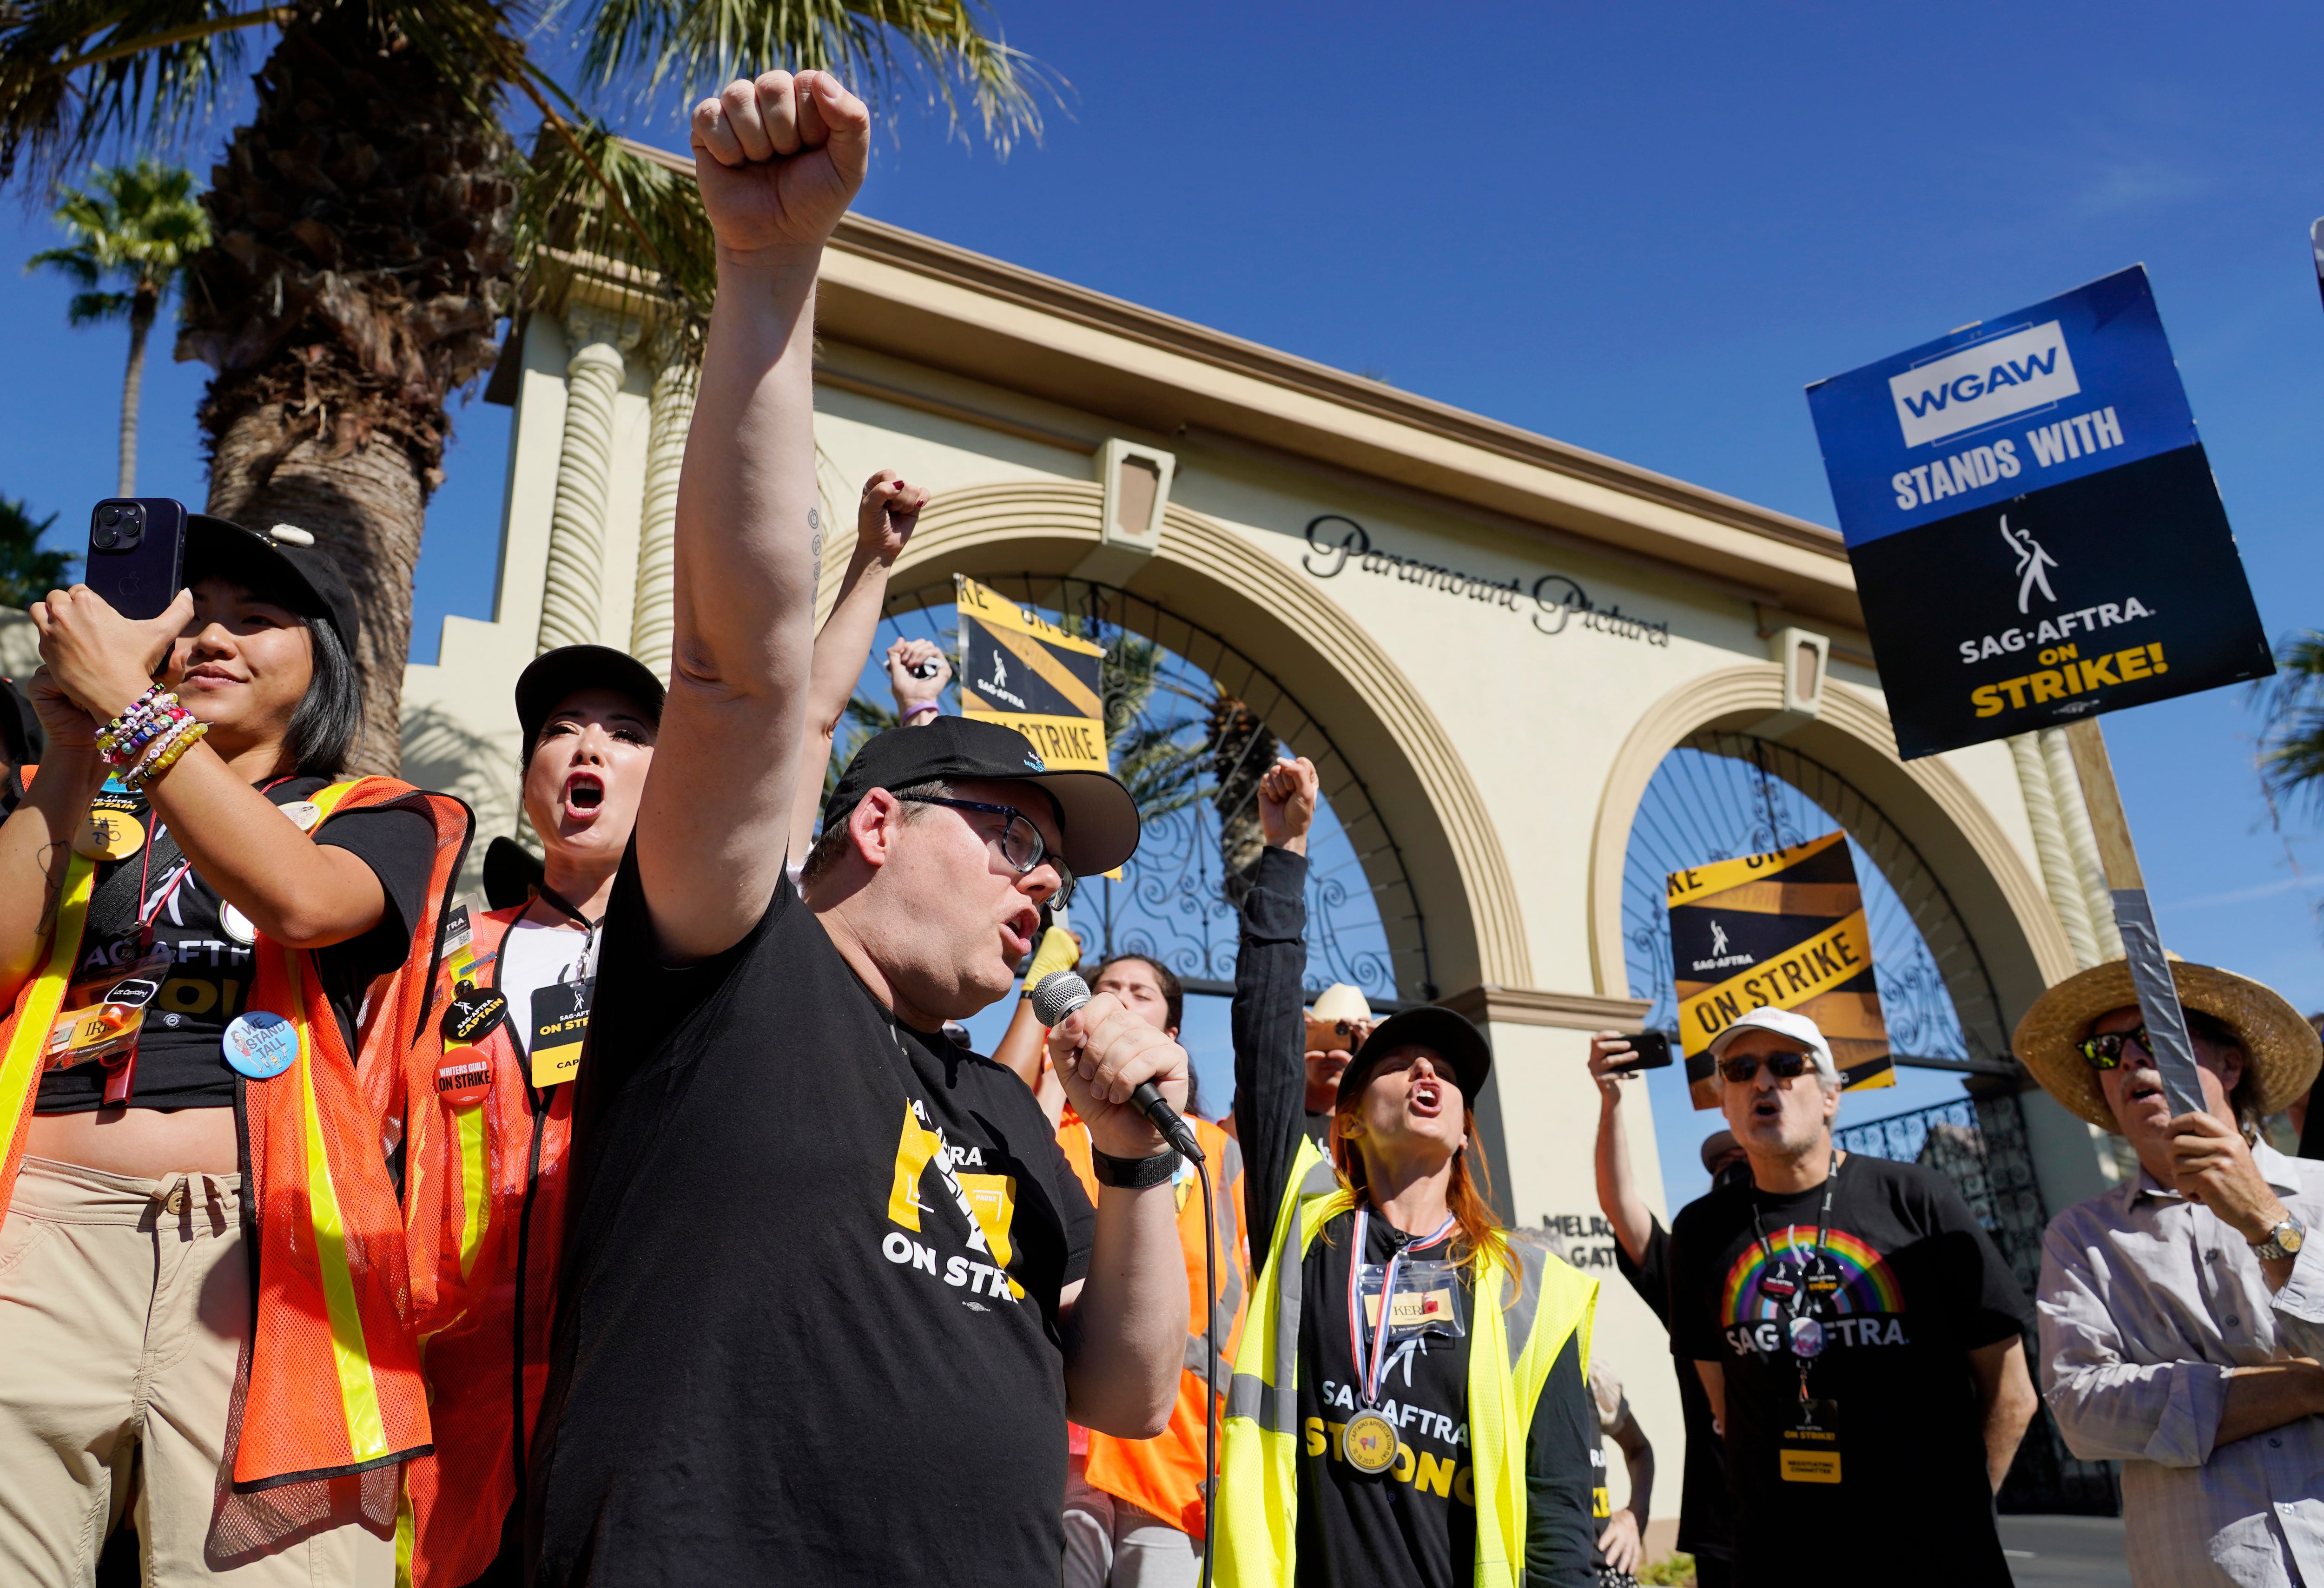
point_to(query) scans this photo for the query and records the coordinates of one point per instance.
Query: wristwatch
(2283, 1241)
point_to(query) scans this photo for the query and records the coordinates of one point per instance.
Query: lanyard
(557, 901)
(1800, 1303)
(1370, 1369)
(151, 912)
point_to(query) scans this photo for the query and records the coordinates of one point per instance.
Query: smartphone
(1650, 1050)
(136, 553)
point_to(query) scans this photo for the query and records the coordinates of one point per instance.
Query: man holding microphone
(830, 1289)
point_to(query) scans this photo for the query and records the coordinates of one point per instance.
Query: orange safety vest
(329, 1386)
(1164, 1474)
(485, 1209)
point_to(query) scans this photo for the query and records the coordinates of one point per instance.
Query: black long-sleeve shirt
(1414, 1525)
(1704, 1528)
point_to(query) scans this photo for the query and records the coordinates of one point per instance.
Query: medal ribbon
(1371, 1370)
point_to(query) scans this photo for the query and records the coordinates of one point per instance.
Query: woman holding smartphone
(207, 948)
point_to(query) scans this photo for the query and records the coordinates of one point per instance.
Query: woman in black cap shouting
(202, 1271)
(1410, 1403)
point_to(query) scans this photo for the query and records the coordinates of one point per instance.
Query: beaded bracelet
(151, 713)
(162, 759)
(152, 750)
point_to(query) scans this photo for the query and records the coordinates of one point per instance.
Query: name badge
(1809, 1449)
(560, 1023)
(1428, 1299)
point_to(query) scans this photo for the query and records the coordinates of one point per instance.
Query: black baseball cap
(553, 675)
(1099, 817)
(285, 557)
(510, 872)
(1443, 1031)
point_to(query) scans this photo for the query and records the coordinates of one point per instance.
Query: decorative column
(2081, 842)
(2057, 874)
(584, 468)
(670, 415)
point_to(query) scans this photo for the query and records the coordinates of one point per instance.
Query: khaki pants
(124, 1304)
(1110, 1543)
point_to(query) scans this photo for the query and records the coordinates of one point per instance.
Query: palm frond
(943, 47)
(96, 308)
(27, 572)
(595, 204)
(2292, 740)
(75, 74)
(77, 264)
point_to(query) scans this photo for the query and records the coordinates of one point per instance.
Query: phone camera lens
(111, 515)
(106, 538)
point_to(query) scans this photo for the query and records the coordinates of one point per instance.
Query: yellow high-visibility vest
(1518, 1323)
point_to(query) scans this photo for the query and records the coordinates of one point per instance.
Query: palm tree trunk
(364, 505)
(361, 265)
(133, 387)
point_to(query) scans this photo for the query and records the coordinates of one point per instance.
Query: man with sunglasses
(2182, 1312)
(830, 1290)
(1859, 1335)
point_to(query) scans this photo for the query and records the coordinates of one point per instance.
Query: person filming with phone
(1642, 1254)
(206, 937)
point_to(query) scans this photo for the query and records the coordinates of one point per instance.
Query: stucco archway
(1997, 895)
(1390, 738)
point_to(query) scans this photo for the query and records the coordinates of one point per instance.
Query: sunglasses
(1021, 843)
(1784, 1066)
(2103, 1050)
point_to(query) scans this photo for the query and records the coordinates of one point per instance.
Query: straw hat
(1340, 1001)
(2281, 1050)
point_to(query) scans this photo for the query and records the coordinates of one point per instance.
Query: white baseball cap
(1784, 1024)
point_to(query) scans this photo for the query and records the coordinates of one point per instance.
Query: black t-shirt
(1417, 1526)
(1919, 1285)
(794, 1344)
(1703, 1528)
(180, 1053)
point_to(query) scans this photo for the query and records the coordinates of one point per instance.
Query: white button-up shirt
(2147, 1303)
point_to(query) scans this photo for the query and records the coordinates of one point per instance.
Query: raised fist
(1100, 1052)
(889, 510)
(1286, 804)
(907, 659)
(779, 160)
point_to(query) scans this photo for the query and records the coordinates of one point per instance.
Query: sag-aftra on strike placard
(2033, 526)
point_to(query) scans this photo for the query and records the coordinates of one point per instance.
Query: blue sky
(1642, 229)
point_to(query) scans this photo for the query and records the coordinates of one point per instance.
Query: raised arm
(777, 159)
(1270, 1023)
(884, 520)
(1618, 1189)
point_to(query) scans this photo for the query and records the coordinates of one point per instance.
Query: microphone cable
(1209, 1375)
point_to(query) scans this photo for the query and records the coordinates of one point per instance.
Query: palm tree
(368, 242)
(27, 573)
(137, 224)
(2291, 743)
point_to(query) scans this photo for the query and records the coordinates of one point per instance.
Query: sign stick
(2150, 969)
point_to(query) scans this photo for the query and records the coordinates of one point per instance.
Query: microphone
(1060, 992)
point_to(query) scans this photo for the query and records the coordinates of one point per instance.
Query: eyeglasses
(2103, 1050)
(1784, 1066)
(1021, 843)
